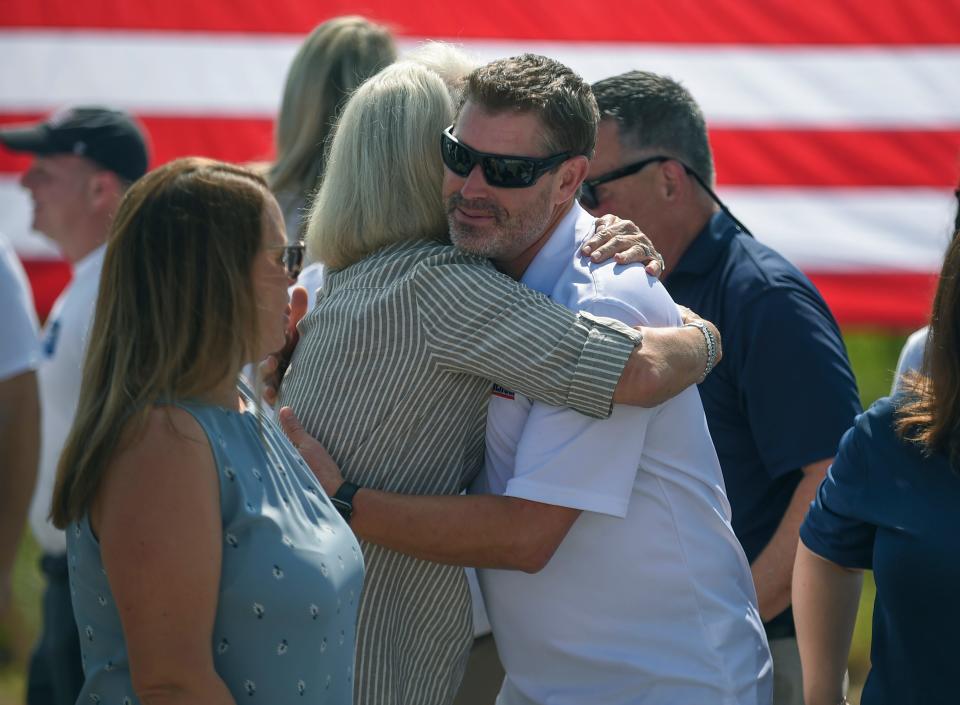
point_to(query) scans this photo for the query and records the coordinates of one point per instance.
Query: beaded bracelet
(711, 347)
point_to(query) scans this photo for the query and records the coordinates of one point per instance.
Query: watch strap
(343, 499)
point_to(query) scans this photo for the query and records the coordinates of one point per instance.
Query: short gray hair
(656, 112)
(384, 175)
(544, 87)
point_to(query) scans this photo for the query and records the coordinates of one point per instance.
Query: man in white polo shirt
(648, 598)
(626, 583)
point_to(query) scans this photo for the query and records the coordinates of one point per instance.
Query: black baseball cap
(111, 138)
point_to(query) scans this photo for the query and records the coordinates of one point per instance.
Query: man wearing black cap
(84, 160)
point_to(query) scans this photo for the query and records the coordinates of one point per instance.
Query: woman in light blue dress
(206, 563)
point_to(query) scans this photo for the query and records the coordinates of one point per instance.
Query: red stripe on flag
(238, 140)
(878, 22)
(882, 299)
(744, 157)
(47, 279)
(816, 157)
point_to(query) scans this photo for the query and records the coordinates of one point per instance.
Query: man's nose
(475, 184)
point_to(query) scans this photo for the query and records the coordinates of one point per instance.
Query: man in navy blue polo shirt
(784, 394)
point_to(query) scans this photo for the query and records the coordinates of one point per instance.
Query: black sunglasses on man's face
(588, 194)
(500, 170)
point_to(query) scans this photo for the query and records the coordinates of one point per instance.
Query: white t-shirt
(649, 598)
(311, 278)
(64, 344)
(911, 356)
(19, 345)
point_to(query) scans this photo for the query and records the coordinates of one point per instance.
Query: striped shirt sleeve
(477, 321)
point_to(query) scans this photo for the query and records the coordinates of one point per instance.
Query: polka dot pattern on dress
(288, 568)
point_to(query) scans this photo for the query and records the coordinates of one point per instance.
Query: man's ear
(572, 173)
(103, 190)
(673, 179)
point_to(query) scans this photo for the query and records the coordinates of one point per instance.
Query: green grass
(19, 628)
(872, 354)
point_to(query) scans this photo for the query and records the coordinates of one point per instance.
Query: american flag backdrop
(835, 124)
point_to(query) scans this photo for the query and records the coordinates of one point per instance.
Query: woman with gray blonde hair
(394, 365)
(336, 57)
(385, 169)
(449, 62)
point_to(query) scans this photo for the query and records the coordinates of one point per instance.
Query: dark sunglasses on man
(500, 170)
(588, 193)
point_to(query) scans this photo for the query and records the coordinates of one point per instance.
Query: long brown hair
(176, 313)
(930, 412)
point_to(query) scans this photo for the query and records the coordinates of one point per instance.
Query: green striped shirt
(392, 374)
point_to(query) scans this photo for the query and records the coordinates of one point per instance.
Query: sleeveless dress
(290, 581)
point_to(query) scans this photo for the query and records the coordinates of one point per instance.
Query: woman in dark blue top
(891, 503)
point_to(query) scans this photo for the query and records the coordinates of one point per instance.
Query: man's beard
(505, 237)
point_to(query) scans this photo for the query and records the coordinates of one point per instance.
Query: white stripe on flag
(849, 230)
(225, 74)
(882, 229)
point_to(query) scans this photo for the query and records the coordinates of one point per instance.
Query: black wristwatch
(343, 499)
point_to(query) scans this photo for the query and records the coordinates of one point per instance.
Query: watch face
(342, 499)
(344, 508)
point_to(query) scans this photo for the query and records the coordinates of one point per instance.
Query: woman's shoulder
(409, 262)
(875, 426)
(162, 456)
(875, 434)
(161, 429)
(437, 254)
(428, 253)
(446, 263)
(882, 411)
(166, 431)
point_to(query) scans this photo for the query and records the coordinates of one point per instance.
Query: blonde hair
(336, 57)
(176, 313)
(448, 61)
(384, 173)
